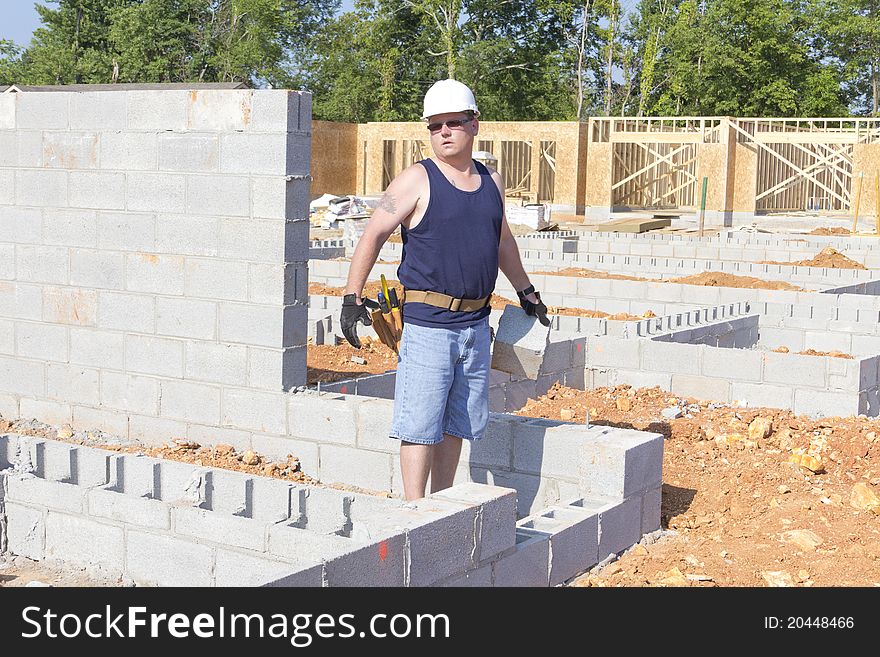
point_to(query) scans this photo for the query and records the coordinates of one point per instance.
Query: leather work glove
(538, 310)
(352, 313)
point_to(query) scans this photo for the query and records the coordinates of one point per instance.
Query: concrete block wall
(172, 524)
(156, 255)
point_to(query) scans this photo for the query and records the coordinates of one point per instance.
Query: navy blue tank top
(453, 249)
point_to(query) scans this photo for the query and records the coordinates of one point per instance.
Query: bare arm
(396, 205)
(508, 251)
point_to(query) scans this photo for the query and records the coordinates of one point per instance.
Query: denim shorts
(442, 383)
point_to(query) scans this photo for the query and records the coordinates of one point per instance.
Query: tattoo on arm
(388, 203)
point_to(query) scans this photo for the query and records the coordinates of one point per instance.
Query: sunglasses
(452, 124)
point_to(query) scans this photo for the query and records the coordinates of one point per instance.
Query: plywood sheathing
(866, 159)
(334, 159)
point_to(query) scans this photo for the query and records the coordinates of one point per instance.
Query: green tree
(10, 63)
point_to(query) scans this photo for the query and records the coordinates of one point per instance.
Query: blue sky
(19, 19)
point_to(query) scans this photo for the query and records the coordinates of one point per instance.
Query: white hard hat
(447, 96)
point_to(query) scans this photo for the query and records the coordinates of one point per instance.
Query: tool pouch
(383, 324)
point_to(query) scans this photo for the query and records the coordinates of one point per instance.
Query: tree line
(526, 60)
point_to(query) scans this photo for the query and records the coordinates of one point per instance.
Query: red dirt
(827, 257)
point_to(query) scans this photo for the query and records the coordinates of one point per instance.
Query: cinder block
(259, 411)
(72, 384)
(270, 499)
(517, 393)
(330, 418)
(129, 510)
(25, 223)
(701, 387)
(42, 264)
(97, 269)
(70, 227)
(114, 423)
(772, 337)
(794, 369)
(22, 301)
(762, 394)
(620, 523)
(190, 152)
(265, 240)
(671, 357)
(613, 352)
(825, 403)
(98, 190)
(126, 231)
(149, 355)
(520, 342)
(134, 475)
(42, 341)
(276, 369)
(154, 431)
(373, 421)
(152, 559)
(186, 318)
(215, 362)
(250, 153)
(219, 110)
(548, 447)
(269, 197)
(252, 324)
(84, 542)
(156, 192)
(95, 110)
(218, 195)
(496, 447)
(62, 305)
(267, 283)
(7, 337)
(639, 379)
(828, 341)
(22, 377)
(194, 402)
(574, 539)
(96, 348)
(244, 569)
(619, 463)
(651, 503)
(129, 151)
(227, 492)
(7, 111)
(303, 546)
(183, 235)
(278, 448)
(49, 412)
(180, 484)
(25, 531)
(497, 515)
(480, 577)
(358, 467)
(158, 110)
(43, 112)
(529, 564)
(380, 564)
(220, 528)
(216, 279)
(161, 274)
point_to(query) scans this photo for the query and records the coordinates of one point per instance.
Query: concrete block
(270, 499)
(794, 369)
(96, 348)
(129, 510)
(269, 196)
(191, 152)
(42, 264)
(157, 560)
(825, 403)
(98, 190)
(25, 223)
(183, 235)
(265, 240)
(252, 324)
(42, 341)
(828, 341)
(150, 355)
(737, 364)
(762, 394)
(701, 387)
(303, 546)
(49, 412)
(671, 357)
(548, 447)
(264, 412)
(216, 279)
(619, 463)
(7, 337)
(244, 569)
(373, 421)
(85, 542)
(129, 151)
(158, 110)
(186, 318)
(97, 269)
(233, 531)
(348, 465)
(529, 564)
(214, 435)
(267, 283)
(160, 274)
(194, 402)
(574, 539)
(481, 577)
(64, 227)
(7, 112)
(72, 384)
(157, 192)
(771, 338)
(114, 423)
(95, 110)
(330, 418)
(250, 153)
(278, 448)
(154, 431)
(613, 352)
(620, 523)
(496, 447)
(383, 563)
(557, 356)
(227, 492)
(218, 195)
(42, 112)
(636, 379)
(215, 362)
(497, 515)
(22, 301)
(275, 111)
(517, 393)
(25, 531)
(126, 231)
(520, 342)
(62, 305)
(276, 369)
(219, 110)
(651, 504)
(22, 377)
(89, 466)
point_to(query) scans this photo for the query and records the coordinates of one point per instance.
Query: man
(455, 237)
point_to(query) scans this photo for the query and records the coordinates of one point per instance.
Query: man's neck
(462, 164)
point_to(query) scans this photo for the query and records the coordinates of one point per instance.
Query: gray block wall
(154, 255)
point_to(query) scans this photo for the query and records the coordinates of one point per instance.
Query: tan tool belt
(440, 300)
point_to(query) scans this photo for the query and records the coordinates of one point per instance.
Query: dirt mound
(828, 257)
(591, 273)
(833, 354)
(720, 279)
(581, 312)
(327, 363)
(371, 289)
(742, 505)
(830, 231)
